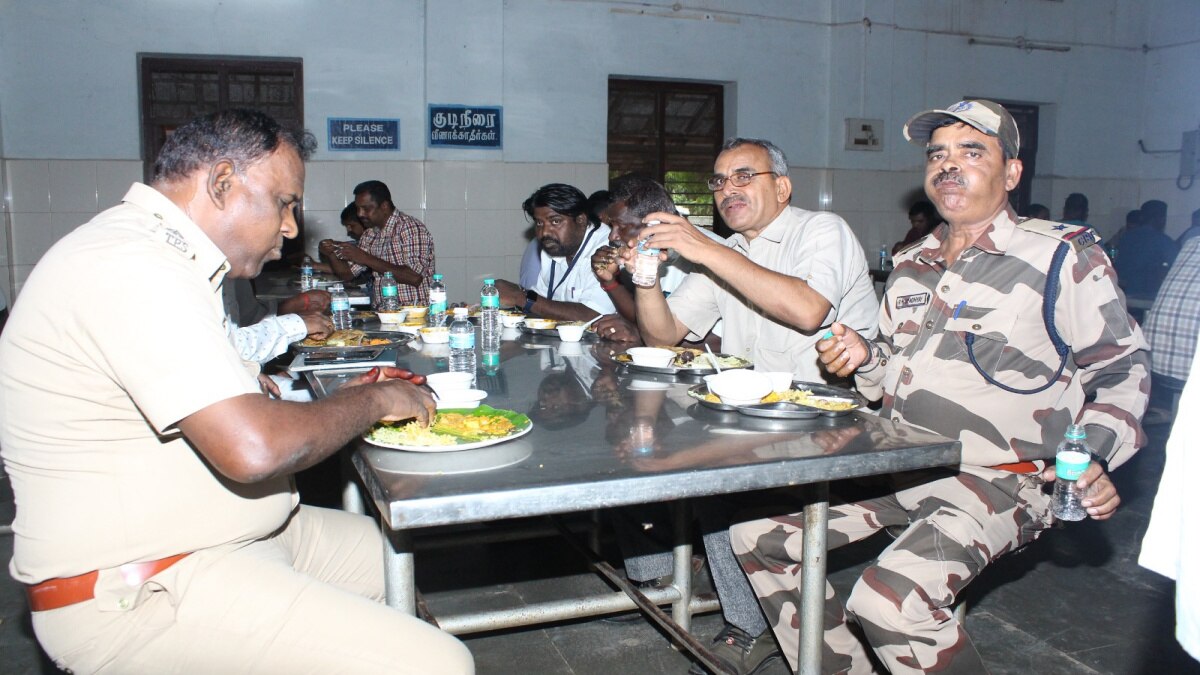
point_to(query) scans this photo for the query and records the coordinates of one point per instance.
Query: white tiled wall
(46, 199)
(473, 209)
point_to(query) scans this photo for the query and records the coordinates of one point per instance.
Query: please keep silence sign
(364, 134)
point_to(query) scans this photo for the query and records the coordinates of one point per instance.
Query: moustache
(550, 242)
(944, 176)
(735, 199)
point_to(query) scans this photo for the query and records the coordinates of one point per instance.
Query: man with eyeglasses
(777, 282)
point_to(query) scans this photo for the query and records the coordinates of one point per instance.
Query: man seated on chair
(566, 289)
(158, 529)
(963, 351)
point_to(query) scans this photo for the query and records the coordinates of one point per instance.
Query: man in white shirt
(566, 289)
(783, 277)
(266, 330)
(634, 197)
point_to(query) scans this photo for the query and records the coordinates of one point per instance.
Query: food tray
(704, 367)
(785, 410)
(394, 339)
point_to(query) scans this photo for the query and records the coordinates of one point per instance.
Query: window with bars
(670, 131)
(176, 88)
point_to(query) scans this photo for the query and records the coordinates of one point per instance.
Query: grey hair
(779, 163)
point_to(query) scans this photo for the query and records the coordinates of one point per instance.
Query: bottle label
(489, 301)
(462, 340)
(340, 304)
(491, 359)
(1070, 464)
(437, 307)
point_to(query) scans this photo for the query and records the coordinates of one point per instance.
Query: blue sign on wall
(357, 134)
(461, 126)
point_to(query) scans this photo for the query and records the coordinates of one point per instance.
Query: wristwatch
(531, 297)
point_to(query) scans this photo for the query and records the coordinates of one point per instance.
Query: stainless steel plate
(394, 339)
(786, 409)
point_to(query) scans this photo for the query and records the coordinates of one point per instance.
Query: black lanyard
(551, 288)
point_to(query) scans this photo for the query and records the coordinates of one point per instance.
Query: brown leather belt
(66, 591)
(1017, 467)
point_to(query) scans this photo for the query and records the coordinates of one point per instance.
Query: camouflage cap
(988, 117)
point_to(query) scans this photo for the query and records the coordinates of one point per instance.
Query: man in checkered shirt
(393, 242)
(1173, 323)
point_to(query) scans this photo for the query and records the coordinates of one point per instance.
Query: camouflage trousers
(903, 603)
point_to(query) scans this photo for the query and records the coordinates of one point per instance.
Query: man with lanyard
(566, 288)
(999, 333)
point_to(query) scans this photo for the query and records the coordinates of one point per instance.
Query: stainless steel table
(604, 438)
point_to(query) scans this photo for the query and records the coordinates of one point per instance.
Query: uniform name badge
(913, 300)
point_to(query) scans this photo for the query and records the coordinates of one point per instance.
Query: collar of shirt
(180, 232)
(774, 231)
(995, 239)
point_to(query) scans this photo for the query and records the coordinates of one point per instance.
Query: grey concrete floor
(1073, 602)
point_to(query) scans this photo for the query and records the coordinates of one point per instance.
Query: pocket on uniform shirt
(989, 333)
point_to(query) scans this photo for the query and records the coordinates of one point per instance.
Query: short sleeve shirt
(95, 377)
(816, 247)
(405, 241)
(573, 280)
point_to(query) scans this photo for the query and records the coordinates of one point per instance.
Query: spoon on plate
(713, 358)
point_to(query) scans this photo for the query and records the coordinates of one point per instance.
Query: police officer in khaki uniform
(157, 528)
(963, 350)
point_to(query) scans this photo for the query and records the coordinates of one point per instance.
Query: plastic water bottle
(339, 304)
(883, 257)
(645, 265)
(389, 294)
(437, 302)
(1070, 462)
(306, 274)
(462, 343)
(489, 315)
(490, 359)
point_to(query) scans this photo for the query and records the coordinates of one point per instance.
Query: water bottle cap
(437, 277)
(489, 282)
(388, 275)
(460, 311)
(1076, 432)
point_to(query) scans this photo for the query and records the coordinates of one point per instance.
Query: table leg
(812, 584)
(681, 609)
(399, 572)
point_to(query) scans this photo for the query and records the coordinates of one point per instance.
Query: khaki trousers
(305, 600)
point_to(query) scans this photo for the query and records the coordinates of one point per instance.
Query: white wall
(68, 116)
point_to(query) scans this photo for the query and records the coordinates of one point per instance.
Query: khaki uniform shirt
(994, 292)
(120, 333)
(814, 246)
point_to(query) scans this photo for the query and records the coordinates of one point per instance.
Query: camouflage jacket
(994, 291)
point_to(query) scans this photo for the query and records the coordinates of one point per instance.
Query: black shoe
(741, 653)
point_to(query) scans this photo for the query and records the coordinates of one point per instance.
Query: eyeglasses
(739, 179)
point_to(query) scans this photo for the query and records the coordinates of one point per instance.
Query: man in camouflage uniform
(963, 351)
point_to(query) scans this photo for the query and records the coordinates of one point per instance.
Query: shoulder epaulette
(1079, 236)
(915, 244)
